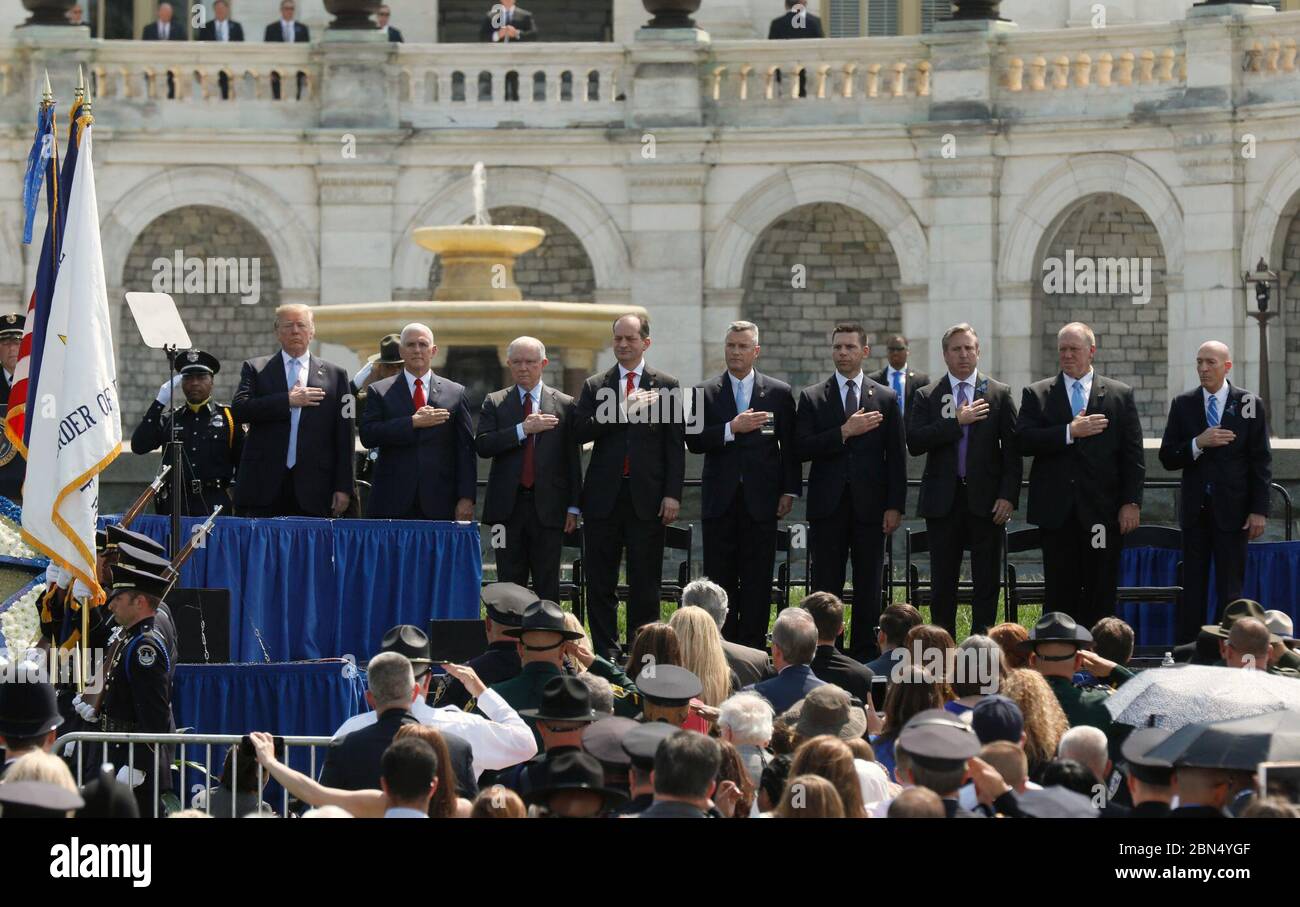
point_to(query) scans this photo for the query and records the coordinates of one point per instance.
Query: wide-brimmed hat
(573, 770)
(542, 615)
(564, 698)
(1279, 623)
(1055, 626)
(28, 705)
(828, 709)
(1235, 611)
(411, 642)
(390, 351)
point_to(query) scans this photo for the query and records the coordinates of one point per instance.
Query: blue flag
(38, 160)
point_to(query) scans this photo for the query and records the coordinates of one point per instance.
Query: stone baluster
(848, 75)
(1016, 75)
(923, 79)
(744, 81)
(1166, 71)
(1288, 55)
(900, 79)
(1274, 51)
(823, 78)
(718, 73)
(1105, 65)
(1037, 70)
(1082, 71)
(873, 80)
(1125, 75)
(1061, 73)
(769, 82)
(1145, 67)
(1254, 58)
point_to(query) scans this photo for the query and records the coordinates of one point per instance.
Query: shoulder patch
(146, 654)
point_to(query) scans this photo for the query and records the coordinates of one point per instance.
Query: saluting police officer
(504, 604)
(13, 468)
(210, 437)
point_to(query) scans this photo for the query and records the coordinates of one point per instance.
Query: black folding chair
(676, 538)
(781, 585)
(1164, 538)
(921, 593)
(1020, 592)
(573, 588)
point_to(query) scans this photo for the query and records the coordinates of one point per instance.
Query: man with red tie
(536, 479)
(426, 468)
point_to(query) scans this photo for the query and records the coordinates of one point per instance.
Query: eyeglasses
(897, 349)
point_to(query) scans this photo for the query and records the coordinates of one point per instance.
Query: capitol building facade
(1125, 170)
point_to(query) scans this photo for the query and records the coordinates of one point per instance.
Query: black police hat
(133, 579)
(28, 705)
(506, 602)
(35, 799)
(564, 698)
(937, 736)
(542, 615)
(107, 798)
(642, 742)
(573, 770)
(604, 739)
(131, 556)
(390, 351)
(1136, 746)
(11, 326)
(116, 535)
(197, 362)
(668, 685)
(408, 640)
(1055, 626)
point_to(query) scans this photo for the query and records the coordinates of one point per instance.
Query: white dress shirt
(1086, 381)
(970, 382)
(508, 18)
(287, 30)
(857, 387)
(747, 383)
(164, 30)
(498, 741)
(222, 29)
(1222, 396)
(404, 812)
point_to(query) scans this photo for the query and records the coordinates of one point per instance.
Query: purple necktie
(965, 432)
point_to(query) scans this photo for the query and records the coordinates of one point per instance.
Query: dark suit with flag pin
(13, 466)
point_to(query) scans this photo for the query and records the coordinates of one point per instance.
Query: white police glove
(70, 749)
(83, 708)
(359, 378)
(170, 392)
(131, 776)
(79, 590)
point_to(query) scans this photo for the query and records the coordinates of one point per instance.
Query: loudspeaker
(202, 619)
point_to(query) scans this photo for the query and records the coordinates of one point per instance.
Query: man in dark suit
(897, 375)
(633, 486)
(850, 428)
(420, 422)
(794, 644)
(750, 664)
(829, 663)
(382, 16)
(965, 425)
(285, 30)
(13, 466)
(1085, 487)
(796, 23)
(507, 22)
(352, 761)
(222, 28)
(752, 474)
(536, 480)
(165, 28)
(297, 457)
(1217, 435)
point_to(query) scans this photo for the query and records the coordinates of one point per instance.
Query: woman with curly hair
(915, 691)
(1045, 721)
(831, 758)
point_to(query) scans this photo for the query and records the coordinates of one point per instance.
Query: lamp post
(1263, 280)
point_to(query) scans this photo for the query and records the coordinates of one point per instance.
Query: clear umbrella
(1190, 694)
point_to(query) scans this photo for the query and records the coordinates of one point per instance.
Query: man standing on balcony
(166, 28)
(286, 31)
(796, 23)
(394, 36)
(503, 24)
(222, 28)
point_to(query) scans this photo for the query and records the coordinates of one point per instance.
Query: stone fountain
(478, 307)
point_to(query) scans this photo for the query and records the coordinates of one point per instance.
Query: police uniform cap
(542, 615)
(28, 704)
(506, 602)
(127, 578)
(668, 685)
(116, 535)
(32, 799)
(642, 742)
(11, 326)
(1151, 770)
(604, 739)
(133, 556)
(936, 736)
(197, 362)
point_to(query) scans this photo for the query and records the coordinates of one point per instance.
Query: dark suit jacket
(656, 447)
(788, 687)
(749, 665)
(1096, 475)
(1198, 812)
(1239, 473)
(1150, 809)
(521, 19)
(353, 762)
(770, 464)
(324, 462)
(175, 31)
(12, 473)
(557, 460)
(209, 31)
(782, 28)
(993, 464)
(394, 35)
(833, 666)
(437, 462)
(273, 33)
(873, 466)
(915, 381)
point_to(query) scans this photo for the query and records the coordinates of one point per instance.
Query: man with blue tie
(751, 477)
(898, 375)
(1085, 487)
(1217, 435)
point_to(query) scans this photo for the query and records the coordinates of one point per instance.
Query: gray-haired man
(751, 665)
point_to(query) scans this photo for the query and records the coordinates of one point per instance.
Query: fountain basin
(478, 260)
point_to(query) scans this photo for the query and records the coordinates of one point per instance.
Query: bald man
(1217, 434)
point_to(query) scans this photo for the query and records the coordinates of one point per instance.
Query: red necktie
(631, 389)
(417, 398)
(530, 442)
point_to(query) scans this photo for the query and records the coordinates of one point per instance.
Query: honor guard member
(210, 438)
(504, 604)
(641, 743)
(564, 714)
(164, 621)
(13, 467)
(604, 740)
(666, 695)
(136, 697)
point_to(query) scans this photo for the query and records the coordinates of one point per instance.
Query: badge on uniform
(146, 655)
(218, 421)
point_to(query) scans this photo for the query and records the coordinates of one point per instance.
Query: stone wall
(1286, 406)
(1132, 340)
(851, 275)
(219, 324)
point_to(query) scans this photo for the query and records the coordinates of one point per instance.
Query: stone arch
(851, 274)
(521, 187)
(1269, 217)
(1065, 185)
(727, 257)
(292, 246)
(1132, 339)
(217, 322)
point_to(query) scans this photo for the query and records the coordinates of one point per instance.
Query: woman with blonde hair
(831, 758)
(43, 767)
(702, 654)
(1045, 721)
(809, 797)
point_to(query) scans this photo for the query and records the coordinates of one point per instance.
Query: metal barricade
(97, 740)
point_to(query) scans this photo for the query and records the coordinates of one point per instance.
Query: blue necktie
(742, 401)
(1212, 412)
(295, 414)
(1077, 402)
(898, 389)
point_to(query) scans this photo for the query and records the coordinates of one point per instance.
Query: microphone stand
(174, 447)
